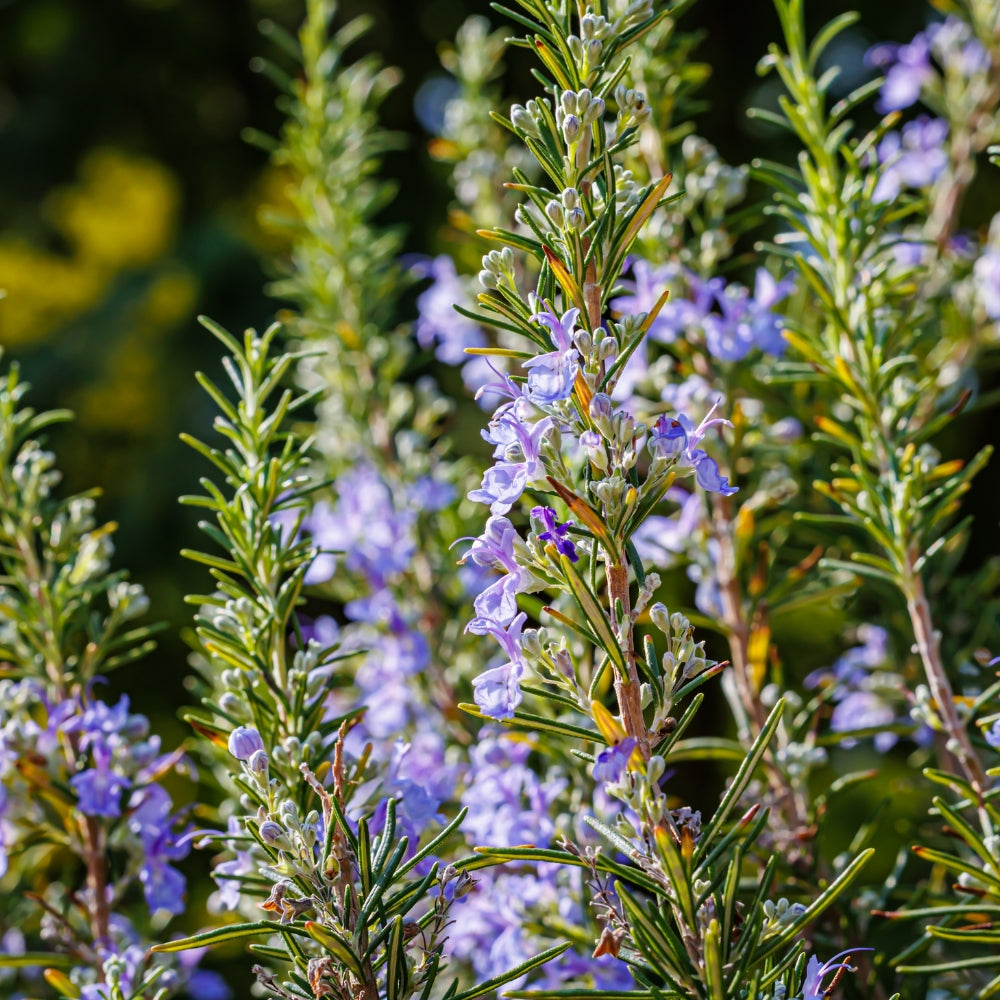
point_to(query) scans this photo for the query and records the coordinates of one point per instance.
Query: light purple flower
(913, 158)
(659, 540)
(227, 874)
(151, 820)
(812, 988)
(99, 792)
(561, 328)
(507, 802)
(612, 761)
(495, 547)
(986, 278)
(376, 536)
(992, 735)
(864, 710)
(646, 286)
(677, 436)
(747, 322)
(498, 690)
(502, 485)
(439, 325)
(519, 441)
(551, 376)
(908, 70)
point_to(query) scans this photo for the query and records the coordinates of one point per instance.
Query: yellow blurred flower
(121, 213)
(43, 292)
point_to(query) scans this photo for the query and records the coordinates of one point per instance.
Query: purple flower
(660, 539)
(677, 436)
(227, 874)
(507, 802)
(766, 325)
(812, 988)
(854, 665)
(365, 524)
(150, 819)
(502, 485)
(439, 325)
(101, 724)
(203, 984)
(647, 285)
(519, 441)
(864, 691)
(956, 49)
(560, 329)
(290, 521)
(612, 761)
(495, 547)
(99, 789)
(986, 279)
(747, 322)
(864, 710)
(498, 691)
(668, 437)
(908, 70)
(244, 742)
(551, 376)
(914, 158)
(555, 533)
(992, 735)
(706, 472)
(418, 778)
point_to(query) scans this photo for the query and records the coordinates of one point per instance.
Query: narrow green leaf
(489, 985)
(231, 932)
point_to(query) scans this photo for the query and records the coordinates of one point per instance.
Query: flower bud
(593, 444)
(522, 119)
(244, 742)
(258, 762)
(229, 702)
(601, 411)
(571, 128)
(272, 833)
(530, 645)
(655, 769)
(555, 213)
(660, 617)
(594, 112)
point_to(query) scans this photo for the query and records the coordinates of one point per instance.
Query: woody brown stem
(627, 687)
(937, 681)
(731, 599)
(97, 881)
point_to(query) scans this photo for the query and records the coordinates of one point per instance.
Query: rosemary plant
(84, 818)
